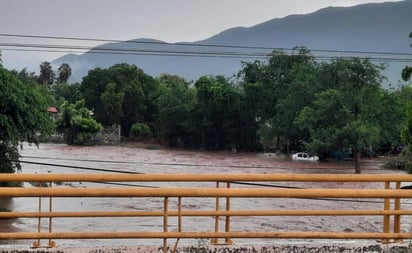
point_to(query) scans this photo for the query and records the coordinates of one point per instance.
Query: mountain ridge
(373, 27)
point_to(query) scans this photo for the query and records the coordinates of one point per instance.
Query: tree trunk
(357, 162)
(287, 147)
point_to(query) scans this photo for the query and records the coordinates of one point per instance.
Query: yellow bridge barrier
(228, 192)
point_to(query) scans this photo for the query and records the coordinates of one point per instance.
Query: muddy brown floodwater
(162, 160)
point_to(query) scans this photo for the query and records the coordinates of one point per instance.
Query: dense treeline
(289, 102)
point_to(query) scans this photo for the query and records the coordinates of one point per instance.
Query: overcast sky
(167, 20)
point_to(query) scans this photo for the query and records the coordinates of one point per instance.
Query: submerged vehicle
(302, 156)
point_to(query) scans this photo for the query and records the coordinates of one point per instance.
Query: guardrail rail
(224, 188)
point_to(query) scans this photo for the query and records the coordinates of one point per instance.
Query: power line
(75, 167)
(157, 164)
(200, 45)
(173, 52)
(233, 55)
(137, 53)
(140, 163)
(125, 184)
(135, 41)
(108, 50)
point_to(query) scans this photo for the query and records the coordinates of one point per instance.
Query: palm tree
(65, 71)
(46, 76)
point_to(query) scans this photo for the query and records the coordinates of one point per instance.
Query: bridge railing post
(227, 225)
(397, 217)
(37, 244)
(165, 222)
(386, 217)
(217, 208)
(52, 244)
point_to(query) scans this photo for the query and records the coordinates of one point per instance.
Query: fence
(109, 135)
(224, 189)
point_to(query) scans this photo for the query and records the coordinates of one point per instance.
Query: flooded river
(56, 158)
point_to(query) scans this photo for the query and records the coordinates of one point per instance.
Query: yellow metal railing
(224, 188)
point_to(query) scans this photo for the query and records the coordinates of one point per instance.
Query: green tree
(112, 104)
(46, 76)
(298, 91)
(343, 116)
(389, 116)
(23, 116)
(26, 76)
(405, 94)
(30, 77)
(134, 107)
(407, 71)
(139, 91)
(91, 88)
(176, 103)
(77, 124)
(406, 132)
(217, 115)
(65, 71)
(276, 91)
(253, 82)
(66, 92)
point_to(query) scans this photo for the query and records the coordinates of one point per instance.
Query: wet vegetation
(288, 103)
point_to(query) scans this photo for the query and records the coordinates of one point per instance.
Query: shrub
(77, 125)
(141, 130)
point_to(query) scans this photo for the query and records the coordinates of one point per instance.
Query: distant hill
(380, 27)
